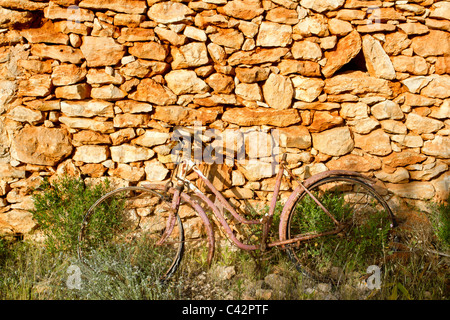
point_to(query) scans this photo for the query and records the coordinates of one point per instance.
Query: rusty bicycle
(335, 214)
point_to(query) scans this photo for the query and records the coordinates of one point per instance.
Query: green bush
(440, 219)
(60, 207)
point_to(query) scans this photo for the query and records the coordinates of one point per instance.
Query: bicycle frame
(188, 165)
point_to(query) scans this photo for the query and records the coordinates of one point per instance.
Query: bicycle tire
(362, 243)
(128, 222)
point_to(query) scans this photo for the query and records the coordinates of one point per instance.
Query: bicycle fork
(173, 211)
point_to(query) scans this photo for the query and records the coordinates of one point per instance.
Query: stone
(221, 83)
(282, 15)
(249, 91)
(438, 147)
(169, 12)
(252, 75)
(435, 43)
(351, 110)
(217, 53)
(129, 173)
(38, 85)
(387, 109)
(419, 124)
(130, 106)
(441, 186)
(307, 89)
(357, 82)
(334, 142)
(413, 28)
(102, 76)
(312, 26)
(376, 142)
(178, 115)
(414, 65)
(101, 51)
(155, 171)
(273, 34)
(127, 153)
(90, 108)
(151, 91)
(45, 34)
(322, 5)
(304, 68)
(294, 137)
(23, 114)
(324, 120)
(392, 126)
(58, 52)
(346, 49)
(86, 123)
(152, 138)
(22, 5)
(21, 221)
(230, 38)
(306, 50)
(148, 50)
(411, 141)
(413, 190)
(136, 35)
(77, 91)
(125, 120)
(185, 82)
(442, 65)
(122, 136)
(257, 56)
(415, 84)
(7, 93)
(144, 68)
(41, 146)
(398, 176)
(109, 92)
(125, 6)
(339, 27)
(428, 174)
(67, 74)
(354, 162)
(91, 154)
(396, 42)
(194, 54)
(13, 19)
(243, 9)
(439, 87)
(278, 91)
(256, 170)
(377, 61)
(440, 10)
(53, 11)
(86, 137)
(261, 116)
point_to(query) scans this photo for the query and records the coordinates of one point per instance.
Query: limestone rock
(249, 91)
(414, 65)
(45, 34)
(346, 49)
(130, 106)
(90, 108)
(258, 56)
(148, 50)
(129, 173)
(21, 221)
(439, 87)
(261, 116)
(377, 142)
(221, 83)
(53, 11)
(11, 18)
(169, 12)
(356, 163)
(387, 110)
(438, 147)
(434, 43)
(67, 74)
(312, 26)
(307, 89)
(251, 75)
(126, 6)
(77, 91)
(403, 159)
(413, 190)
(91, 154)
(194, 54)
(101, 51)
(304, 68)
(127, 153)
(185, 81)
(41, 146)
(306, 50)
(441, 10)
(152, 138)
(278, 91)
(90, 124)
(23, 114)
(322, 5)
(294, 137)
(334, 142)
(127, 120)
(357, 82)
(38, 85)
(273, 34)
(229, 38)
(109, 92)
(257, 170)
(243, 9)
(59, 52)
(420, 124)
(377, 61)
(149, 90)
(398, 176)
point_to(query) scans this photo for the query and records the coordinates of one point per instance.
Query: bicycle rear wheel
(128, 224)
(366, 221)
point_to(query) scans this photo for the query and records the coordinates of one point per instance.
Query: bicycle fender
(307, 183)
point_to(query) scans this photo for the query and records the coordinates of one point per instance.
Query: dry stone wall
(96, 87)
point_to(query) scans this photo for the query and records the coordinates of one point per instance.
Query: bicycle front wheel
(362, 218)
(127, 226)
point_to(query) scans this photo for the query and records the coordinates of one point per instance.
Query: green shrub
(60, 207)
(440, 219)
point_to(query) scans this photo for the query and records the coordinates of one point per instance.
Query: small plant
(60, 207)
(440, 219)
